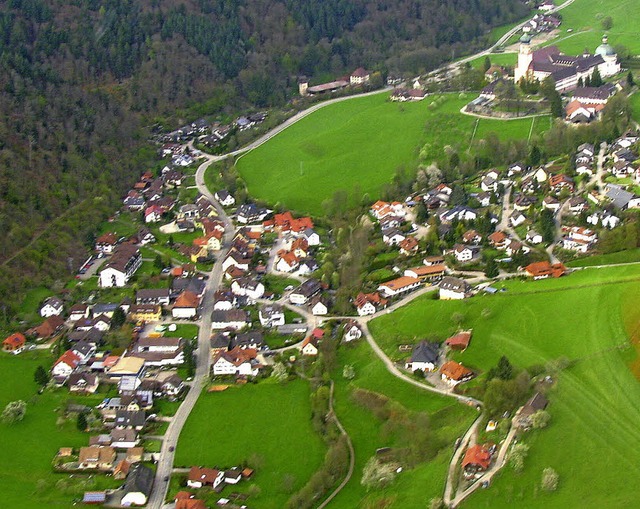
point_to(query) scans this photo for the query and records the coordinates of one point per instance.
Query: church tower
(525, 57)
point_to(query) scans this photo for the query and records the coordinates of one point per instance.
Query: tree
(550, 479)
(607, 23)
(517, 456)
(377, 474)
(279, 372)
(580, 82)
(503, 371)
(555, 105)
(547, 225)
(349, 372)
(540, 419)
(487, 64)
(534, 155)
(458, 196)
(14, 412)
(491, 269)
(189, 361)
(596, 79)
(118, 318)
(81, 422)
(158, 263)
(630, 81)
(41, 376)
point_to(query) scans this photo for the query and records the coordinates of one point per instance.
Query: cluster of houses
(586, 103)
(429, 357)
(298, 240)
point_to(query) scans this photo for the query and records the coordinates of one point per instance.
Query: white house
(271, 315)
(236, 362)
(199, 477)
(247, 287)
(52, 306)
(233, 319)
(312, 238)
(138, 485)
(392, 236)
(452, 288)
(424, 357)
(124, 262)
(186, 306)
(351, 331)
(305, 291)
(533, 237)
(517, 218)
(398, 286)
(224, 198)
(65, 365)
(318, 307)
(464, 253)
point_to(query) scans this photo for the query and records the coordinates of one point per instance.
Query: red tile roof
(477, 455)
(459, 341)
(14, 341)
(455, 370)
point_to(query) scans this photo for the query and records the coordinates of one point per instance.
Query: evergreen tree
(41, 376)
(580, 82)
(487, 64)
(81, 422)
(631, 82)
(596, 79)
(118, 318)
(534, 155)
(491, 268)
(547, 225)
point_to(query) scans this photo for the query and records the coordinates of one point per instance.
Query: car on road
(172, 448)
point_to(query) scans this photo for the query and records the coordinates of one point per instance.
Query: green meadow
(267, 425)
(448, 419)
(358, 145)
(588, 318)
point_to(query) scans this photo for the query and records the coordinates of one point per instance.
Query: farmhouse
(426, 272)
(454, 288)
(459, 341)
(543, 270)
(352, 331)
(199, 477)
(454, 373)
(537, 403)
(398, 286)
(424, 357)
(477, 458)
(237, 361)
(186, 306)
(138, 485)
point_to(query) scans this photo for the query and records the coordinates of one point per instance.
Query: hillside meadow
(358, 145)
(587, 318)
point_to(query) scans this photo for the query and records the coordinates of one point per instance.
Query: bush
(348, 372)
(540, 419)
(517, 456)
(377, 474)
(14, 412)
(550, 479)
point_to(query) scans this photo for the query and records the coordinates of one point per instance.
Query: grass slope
(268, 421)
(595, 406)
(28, 447)
(357, 146)
(413, 488)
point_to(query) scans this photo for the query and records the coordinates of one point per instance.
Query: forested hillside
(79, 80)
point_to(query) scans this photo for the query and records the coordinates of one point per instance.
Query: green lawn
(449, 420)
(628, 256)
(357, 146)
(595, 407)
(634, 100)
(268, 424)
(28, 447)
(585, 18)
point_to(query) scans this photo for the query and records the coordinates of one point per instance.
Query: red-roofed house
(14, 343)
(199, 477)
(454, 373)
(476, 459)
(65, 365)
(369, 303)
(459, 341)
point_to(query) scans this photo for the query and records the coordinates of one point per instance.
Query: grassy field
(267, 424)
(26, 478)
(629, 256)
(587, 317)
(413, 487)
(634, 100)
(585, 18)
(358, 145)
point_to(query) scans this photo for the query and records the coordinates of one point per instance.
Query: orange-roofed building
(14, 343)
(454, 373)
(459, 341)
(543, 270)
(476, 459)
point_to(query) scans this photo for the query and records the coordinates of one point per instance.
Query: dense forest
(80, 80)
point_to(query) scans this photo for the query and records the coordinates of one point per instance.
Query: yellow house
(145, 313)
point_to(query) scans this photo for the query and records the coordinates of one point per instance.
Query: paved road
(165, 462)
(455, 460)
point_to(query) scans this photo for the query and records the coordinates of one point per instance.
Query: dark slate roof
(139, 480)
(425, 352)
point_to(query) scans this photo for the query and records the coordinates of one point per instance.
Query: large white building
(566, 70)
(124, 262)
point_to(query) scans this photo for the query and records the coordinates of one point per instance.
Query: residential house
(96, 458)
(286, 261)
(533, 237)
(369, 303)
(464, 253)
(14, 344)
(127, 419)
(471, 237)
(459, 341)
(577, 205)
(453, 288)
(536, 403)
(434, 260)
(352, 331)
(620, 198)
(579, 239)
(233, 319)
(454, 373)
(499, 240)
(78, 312)
(106, 243)
(47, 329)
(489, 184)
(124, 438)
(247, 287)
(303, 293)
(523, 202)
(459, 212)
(159, 296)
(85, 383)
(559, 182)
(186, 306)
(359, 77)
(544, 269)
(162, 351)
(65, 365)
(199, 477)
(138, 485)
(124, 262)
(424, 357)
(477, 459)
(549, 202)
(250, 213)
(408, 246)
(252, 340)
(398, 286)
(238, 361)
(145, 313)
(224, 198)
(52, 306)
(271, 315)
(309, 346)
(392, 236)
(426, 272)
(517, 218)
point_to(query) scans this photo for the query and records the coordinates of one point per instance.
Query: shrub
(550, 479)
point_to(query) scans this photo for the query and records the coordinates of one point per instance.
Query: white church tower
(611, 65)
(525, 57)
